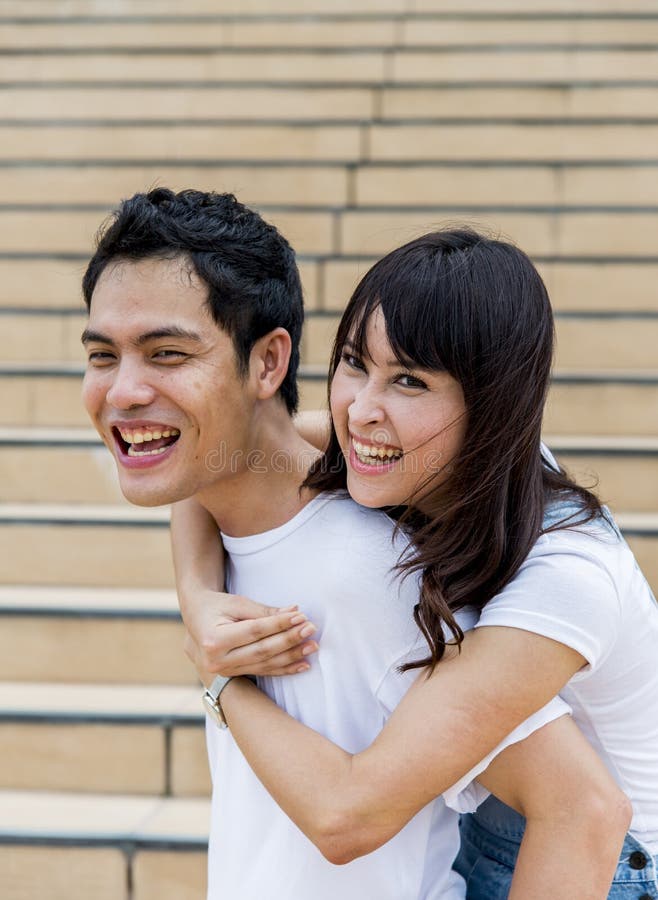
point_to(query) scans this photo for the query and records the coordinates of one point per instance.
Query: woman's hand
(228, 634)
(232, 635)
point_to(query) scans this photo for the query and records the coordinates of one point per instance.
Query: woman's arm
(349, 805)
(576, 816)
(229, 634)
(314, 426)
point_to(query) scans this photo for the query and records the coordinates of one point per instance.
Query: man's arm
(229, 634)
(576, 816)
(349, 805)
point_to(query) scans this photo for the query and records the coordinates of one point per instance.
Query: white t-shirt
(334, 559)
(584, 589)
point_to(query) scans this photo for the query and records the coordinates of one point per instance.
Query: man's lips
(144, 444)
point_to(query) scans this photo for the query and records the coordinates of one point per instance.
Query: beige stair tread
(71, 513)
(105, 818)
(40, 435)
(100, 701)
(606, 443)
(92, 599)
(54, 435)
(638, 521)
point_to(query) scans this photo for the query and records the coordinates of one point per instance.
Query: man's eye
(169, 354)
(100, 356)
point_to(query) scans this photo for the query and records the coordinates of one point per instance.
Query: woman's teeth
(374, 456)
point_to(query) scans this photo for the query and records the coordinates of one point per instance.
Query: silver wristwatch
(211, 696)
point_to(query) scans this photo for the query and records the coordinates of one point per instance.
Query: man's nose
(130, 387)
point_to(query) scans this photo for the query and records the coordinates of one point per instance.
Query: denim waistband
(496, 831)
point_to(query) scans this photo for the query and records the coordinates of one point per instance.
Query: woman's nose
(366, 408)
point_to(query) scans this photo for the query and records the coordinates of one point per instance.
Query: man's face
(162, 385)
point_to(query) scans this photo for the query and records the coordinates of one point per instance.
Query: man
(195, 313)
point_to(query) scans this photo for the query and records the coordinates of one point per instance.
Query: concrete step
(330, 31)
(522, 142)
(40, 394)
(312, 185)
(317, 102)
(623, 472)
(119, 847)
(54, 465)
(302, 65)
(370, 65)
(584, 341)
(61, 230)
(504, 185)
(57, 466)
(344, 184)
(623, 233)
(69, 544)
(102, 636)
(574, 283)
(641, 532)
(541, 232)
(148, 102)
(559, 99)
(127, 739)
(93, 9)
(429, 141)
(146, 142)
(615, 403)
(54, 280)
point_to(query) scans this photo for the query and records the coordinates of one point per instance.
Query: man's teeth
(143, 437)
(374, 456)
(133, 452)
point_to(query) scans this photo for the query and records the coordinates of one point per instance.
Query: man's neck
(265, 492)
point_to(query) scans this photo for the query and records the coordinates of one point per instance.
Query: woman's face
(397, 427)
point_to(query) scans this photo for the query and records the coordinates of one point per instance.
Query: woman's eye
(411, 381)
(352, 361)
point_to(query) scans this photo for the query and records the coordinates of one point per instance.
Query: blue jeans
(490, 840)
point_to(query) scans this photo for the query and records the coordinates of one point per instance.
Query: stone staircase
(354, 126)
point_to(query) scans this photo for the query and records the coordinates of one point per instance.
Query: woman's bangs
(416, 326)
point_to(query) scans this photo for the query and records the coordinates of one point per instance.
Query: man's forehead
(177, 270)
(134, 298)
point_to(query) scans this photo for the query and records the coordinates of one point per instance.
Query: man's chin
(155, 496)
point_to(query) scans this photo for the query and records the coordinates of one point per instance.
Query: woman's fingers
(237, 607)
(246, 647)
(271, 660)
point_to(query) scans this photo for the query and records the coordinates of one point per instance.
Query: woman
(438, 383)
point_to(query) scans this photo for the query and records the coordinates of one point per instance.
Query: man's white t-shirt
(335, 560)
(583, 588)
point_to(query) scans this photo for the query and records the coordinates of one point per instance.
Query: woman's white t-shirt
(582, 587)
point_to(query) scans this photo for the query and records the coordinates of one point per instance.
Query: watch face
(214, 709)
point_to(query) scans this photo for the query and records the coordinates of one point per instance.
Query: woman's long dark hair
(476, 308)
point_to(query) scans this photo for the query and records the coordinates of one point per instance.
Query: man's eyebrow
(88, 336)
(170, 331)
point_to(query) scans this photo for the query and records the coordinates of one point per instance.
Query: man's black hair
(250, 269)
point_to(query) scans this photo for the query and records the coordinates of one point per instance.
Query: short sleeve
(466, 795)
(565, 592)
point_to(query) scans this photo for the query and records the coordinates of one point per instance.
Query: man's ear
(268, 362)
